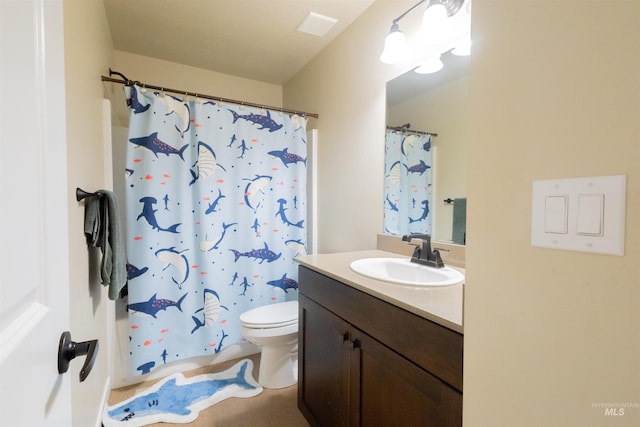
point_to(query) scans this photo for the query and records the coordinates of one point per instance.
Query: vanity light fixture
(445, 26)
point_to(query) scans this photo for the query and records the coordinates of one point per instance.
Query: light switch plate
(595, 214)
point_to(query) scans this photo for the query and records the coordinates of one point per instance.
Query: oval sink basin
(403, 271)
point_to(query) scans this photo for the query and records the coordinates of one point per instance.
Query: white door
(34, 300)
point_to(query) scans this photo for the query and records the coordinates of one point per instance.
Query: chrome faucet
(423, 254)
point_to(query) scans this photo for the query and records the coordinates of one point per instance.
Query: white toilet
(274, 328)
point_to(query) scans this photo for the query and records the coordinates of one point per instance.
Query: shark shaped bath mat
(177, 399)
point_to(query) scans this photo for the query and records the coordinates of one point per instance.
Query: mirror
(437, 103)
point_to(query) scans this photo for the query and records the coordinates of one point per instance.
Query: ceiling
(254, 39)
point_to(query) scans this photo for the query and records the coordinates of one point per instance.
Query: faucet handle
(438, 259)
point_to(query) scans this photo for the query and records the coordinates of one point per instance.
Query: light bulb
(395, 47)
(430, 66)
(435, 25)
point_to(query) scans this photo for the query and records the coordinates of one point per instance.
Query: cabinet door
(394, 392)
(323, 365)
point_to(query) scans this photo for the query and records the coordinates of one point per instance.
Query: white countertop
(442, 305)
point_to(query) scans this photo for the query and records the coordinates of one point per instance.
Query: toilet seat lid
(271, 316)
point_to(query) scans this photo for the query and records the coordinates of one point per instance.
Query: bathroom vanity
(373, 353)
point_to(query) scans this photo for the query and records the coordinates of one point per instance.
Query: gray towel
(459, 231)
(102, 227)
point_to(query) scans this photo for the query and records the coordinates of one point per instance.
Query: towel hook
(81, 194)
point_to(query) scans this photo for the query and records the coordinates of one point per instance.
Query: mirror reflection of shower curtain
(407, 184)
(216, 212)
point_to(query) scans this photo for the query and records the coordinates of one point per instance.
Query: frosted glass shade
(395, 48)
(435, 24)
(430, 66)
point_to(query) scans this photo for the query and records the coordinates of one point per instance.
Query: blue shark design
(287, 158)
(297, 246)
(133, 271)
(164, 356)
(233, 279)
(425, 212)
(178, 107)
(243, 148)
(156, 146)
(392, 205)
(149, 213)
(233, 139)
(172, 257)
(263, 254)
(395, 172)
(166, 202)
(135, 104)
(256, 226)
(219, 346)
(284, 283)
(206, 164)
(253, 188)
(245, 285)
(146, 367)
(407, 142)
(177, 399)
(213, 205)
(207, 245)
(283, 216)
(210, 309)
(419, 168)
(427, 145)
(266, 122)
(154, 305)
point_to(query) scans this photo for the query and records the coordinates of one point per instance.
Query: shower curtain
(216, 210)
(408, 183)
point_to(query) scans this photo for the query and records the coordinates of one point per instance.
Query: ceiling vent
(317, 24)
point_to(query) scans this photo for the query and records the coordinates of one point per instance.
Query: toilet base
(278, 366)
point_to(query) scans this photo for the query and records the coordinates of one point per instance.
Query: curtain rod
(125, 81)
(405, 128)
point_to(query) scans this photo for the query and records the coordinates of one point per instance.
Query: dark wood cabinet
(365, 362)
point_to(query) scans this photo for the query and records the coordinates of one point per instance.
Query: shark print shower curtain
(408, 179)
(216, 210)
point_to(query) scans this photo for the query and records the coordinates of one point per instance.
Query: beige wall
(172, 75)
(555, 90)
(554, 94)
(443, 110)
(88, 52)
